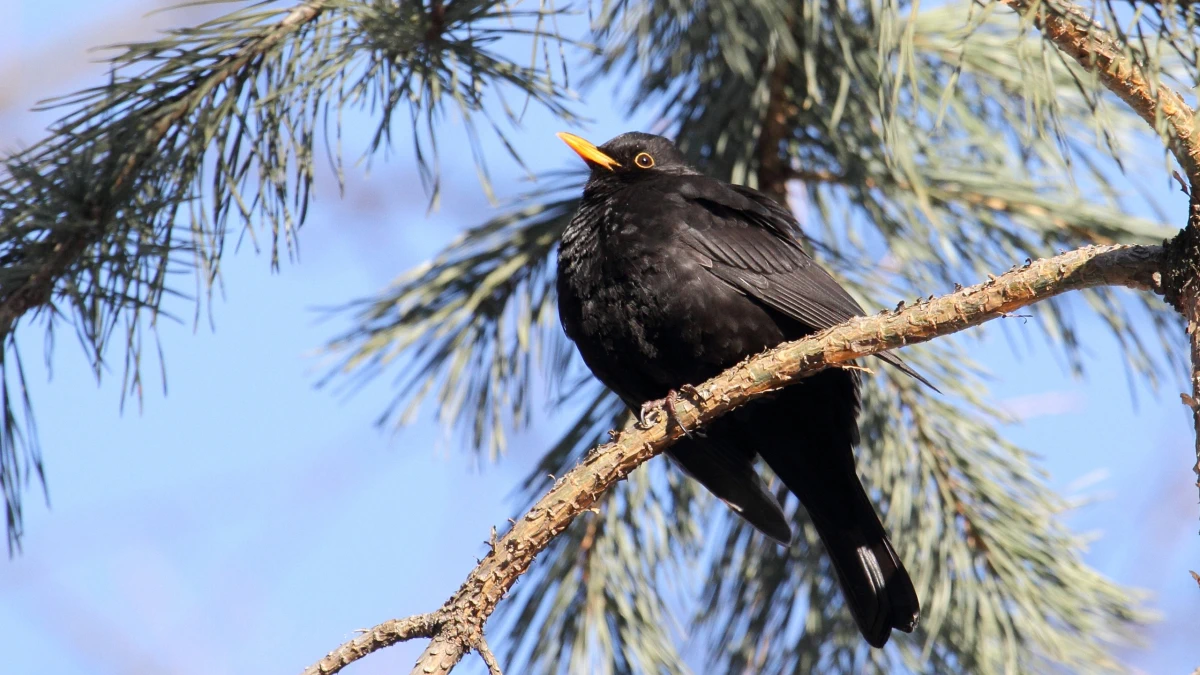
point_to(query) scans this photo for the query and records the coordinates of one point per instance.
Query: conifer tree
(956, 143)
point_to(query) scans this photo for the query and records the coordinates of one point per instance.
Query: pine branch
(1181, 284)
(458, 625)
(1099, 52)
(219, 124)
(66, 247)
(87, 215)
(383, 635)
(947, 193)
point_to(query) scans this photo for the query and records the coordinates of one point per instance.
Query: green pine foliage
(212, 133)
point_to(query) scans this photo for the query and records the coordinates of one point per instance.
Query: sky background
(247, 522)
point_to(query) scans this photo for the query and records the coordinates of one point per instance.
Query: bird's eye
(643, 160)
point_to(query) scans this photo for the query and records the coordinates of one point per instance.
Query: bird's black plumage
(666, 277)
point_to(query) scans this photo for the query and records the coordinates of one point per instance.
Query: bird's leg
(668, 403)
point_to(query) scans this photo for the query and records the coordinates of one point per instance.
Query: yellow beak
(587, 151)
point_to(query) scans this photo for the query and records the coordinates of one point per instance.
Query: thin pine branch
(217, 127)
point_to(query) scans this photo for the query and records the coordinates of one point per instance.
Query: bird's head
(629, 157)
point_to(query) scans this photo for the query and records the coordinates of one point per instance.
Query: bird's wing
(728, 472)
(751, 243)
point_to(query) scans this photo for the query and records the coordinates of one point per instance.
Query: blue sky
(248, 522)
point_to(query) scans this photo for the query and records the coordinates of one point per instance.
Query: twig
(458, 626)
(489, 658)
(383, 635)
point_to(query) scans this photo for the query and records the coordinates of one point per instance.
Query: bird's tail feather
(896, 362)
(875, 584)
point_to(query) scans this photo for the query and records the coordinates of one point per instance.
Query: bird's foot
(668, 403)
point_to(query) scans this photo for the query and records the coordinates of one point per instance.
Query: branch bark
(457, 627)
(1181, 280)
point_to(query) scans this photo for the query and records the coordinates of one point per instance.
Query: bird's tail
(877, 588)
(875, 584)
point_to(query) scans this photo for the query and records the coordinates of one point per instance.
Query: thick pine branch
(1182, 289)
(457, 627)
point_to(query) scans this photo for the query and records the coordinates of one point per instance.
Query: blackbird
(666, 277)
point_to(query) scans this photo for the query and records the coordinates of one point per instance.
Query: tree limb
(489, 659)
(1181, 281)
(457, 627)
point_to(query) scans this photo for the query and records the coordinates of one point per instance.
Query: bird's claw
(648, 408)
(668, 403)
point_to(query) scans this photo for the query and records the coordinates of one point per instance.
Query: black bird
(667, 277)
